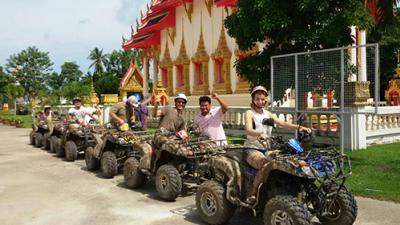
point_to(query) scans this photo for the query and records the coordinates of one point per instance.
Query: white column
(353, 54)
(362, 76)
(355, 129)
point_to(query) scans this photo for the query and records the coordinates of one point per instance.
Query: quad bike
(112, 149)
(172, 170)
(296, 185)
(59, 129)
(78, 139)
(39, 134)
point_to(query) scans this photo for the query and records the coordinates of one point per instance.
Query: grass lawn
(376, 172)
(27, 119)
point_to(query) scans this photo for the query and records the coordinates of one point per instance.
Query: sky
(67, 29)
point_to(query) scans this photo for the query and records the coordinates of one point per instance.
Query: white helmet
(132, 100)
(181, 96)
(259, 88)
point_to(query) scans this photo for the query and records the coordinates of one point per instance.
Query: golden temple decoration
(132, 81)
(201, 57)
(160, 96)
(172, 34)
(392, 94)
(92, 98)
(209, 4)
(223, 54)
(189, 10)
(166, 64)
(183, 60)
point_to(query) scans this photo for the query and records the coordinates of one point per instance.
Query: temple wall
(210, 26)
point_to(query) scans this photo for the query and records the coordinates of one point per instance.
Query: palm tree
(99, 60)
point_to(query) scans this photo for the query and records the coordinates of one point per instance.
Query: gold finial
(397, 75)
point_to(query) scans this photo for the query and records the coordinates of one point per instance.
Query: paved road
(38, 188)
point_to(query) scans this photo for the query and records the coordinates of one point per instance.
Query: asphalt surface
(38, 188)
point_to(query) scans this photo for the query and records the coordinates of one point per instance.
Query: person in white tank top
(255, 130)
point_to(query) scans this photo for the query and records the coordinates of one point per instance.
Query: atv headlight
(307, 170)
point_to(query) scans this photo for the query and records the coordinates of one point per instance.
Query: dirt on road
(38, 188)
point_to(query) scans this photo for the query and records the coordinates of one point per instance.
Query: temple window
(179, 72)
(198, 73)
(218, 71)
(164, 76)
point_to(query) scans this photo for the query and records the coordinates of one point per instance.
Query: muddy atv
(113, 148)
(59, 129)
(171, 171)
(39, 135)
(79, 139)
(294, 187)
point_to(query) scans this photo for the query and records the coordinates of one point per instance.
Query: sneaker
(251, 200)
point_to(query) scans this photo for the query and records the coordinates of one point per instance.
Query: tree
(8, 88)
(288, 26)
(31, 68)
(99, 60)
(70, 73)
(116, 65)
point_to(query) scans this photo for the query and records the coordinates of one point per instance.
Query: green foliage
(76, 88)
(31, 69)
(8, 89)
(70, 73)
(116, 64)
(99, 61)
(288, 26)
(108, 83)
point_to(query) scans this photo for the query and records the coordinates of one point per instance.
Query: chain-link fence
(331, 80)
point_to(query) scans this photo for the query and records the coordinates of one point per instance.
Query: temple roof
(160, 15)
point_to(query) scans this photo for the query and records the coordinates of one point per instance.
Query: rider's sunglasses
(181, 102)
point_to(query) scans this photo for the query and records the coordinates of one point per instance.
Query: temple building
(188, 46)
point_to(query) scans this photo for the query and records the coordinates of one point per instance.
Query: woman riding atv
(256, 130)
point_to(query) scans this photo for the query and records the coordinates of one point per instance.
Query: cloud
(130, 10)
(83, 21)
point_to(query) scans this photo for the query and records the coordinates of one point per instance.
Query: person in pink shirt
(210, 120)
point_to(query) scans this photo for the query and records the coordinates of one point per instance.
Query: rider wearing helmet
(78, 112)
(255, 130)
(122, 113)
(171, 123)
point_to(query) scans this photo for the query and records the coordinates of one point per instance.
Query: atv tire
(46, 141)
(212, 204)
(32, 137)
(285, 209)
(53, 140)
(343, 210)
(38, 140)
(109, 164)
(134, 177)
(60, 151)
(168, 182)
(92, 163)
(71, 151)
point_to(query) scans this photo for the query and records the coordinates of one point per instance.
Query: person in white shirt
(210, 120)
(78, 112)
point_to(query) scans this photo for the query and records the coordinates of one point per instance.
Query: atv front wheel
(32, 137)
(343, 209)
(60, 151)
(46, 141)
(109, 164)
(38, 140)
(134, 177)
(92, 163)
(284, 209)
(168, 182)
(52, 144)
(212, 204)
(71, 151)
